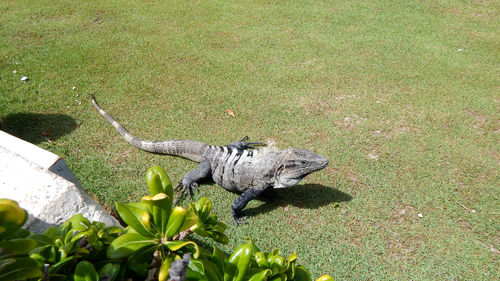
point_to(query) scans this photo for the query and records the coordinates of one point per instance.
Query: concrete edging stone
(41, 182)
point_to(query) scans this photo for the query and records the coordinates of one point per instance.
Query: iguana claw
(238, 217)
(181, 188)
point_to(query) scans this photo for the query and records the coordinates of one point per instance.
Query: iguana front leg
(191, 179)
(243, 200)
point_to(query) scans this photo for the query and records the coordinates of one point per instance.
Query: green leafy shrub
(156, 240)
(14, 261)
(156, 232)
(60, 248)
(248, 263)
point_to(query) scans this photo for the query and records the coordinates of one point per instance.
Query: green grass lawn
(402, 97)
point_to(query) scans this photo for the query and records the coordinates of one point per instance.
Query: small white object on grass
(14, 72)
(73, 88)
(420, 215)
(24, 78)
(372, 156)
(460, 50)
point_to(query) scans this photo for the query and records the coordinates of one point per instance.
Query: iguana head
(296, 164)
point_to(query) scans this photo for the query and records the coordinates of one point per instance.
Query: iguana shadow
(308, 196)
(37, 127)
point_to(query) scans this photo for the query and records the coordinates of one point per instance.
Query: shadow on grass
(37, 127)
(308, 196)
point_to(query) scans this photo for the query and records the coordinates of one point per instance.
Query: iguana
(237, 167)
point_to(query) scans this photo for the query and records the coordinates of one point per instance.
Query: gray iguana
(237, 167)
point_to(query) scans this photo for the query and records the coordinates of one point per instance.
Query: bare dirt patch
(465, 225)
(401, 248)
(403, 213)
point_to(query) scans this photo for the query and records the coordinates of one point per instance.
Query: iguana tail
(184, 148)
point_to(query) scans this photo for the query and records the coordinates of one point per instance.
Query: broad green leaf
(140, 260)
(19, 268)
(196, 271)
(221, 227)
(220, 237)
(69, 236)
(230, 271)
(112, 230)
(254, 247)
(12, 217)
(22, 233)
(85, 271)
(276, 264)
(212, 272)
(302, 274)
(261, 260)
(218, 257)
(241, 257)
(141, 206)
(178, 244)
(325, 278)
(135, 218)
(161, 206)
(180, 219)
(189, 221)
(280, 277)
(52, 233)
(290, 269)
(41, 239)
(77, 222)
(154, 183)
(126, 244)
(90, 234)
(4, 261)
(110, 233)
(45, 253)
(11, 212)
(18, 246)
(73, 248)
(109, 271)
(57, 277)
(261, 276)
(166, 184)
(203, 208)
(64, 263)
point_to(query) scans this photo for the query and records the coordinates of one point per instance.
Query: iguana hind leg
(243, 144)
(191, 179)
(242, 201)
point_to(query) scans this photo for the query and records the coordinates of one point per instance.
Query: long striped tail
(184, 148)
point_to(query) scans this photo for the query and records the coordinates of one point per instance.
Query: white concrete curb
(41, 182)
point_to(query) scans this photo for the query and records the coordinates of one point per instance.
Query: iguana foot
(191, 179)
(184, 186)
(238, 217)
